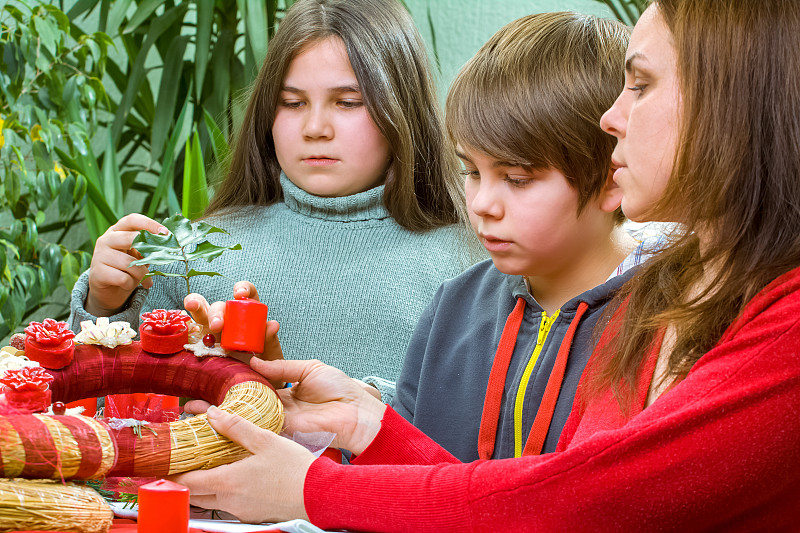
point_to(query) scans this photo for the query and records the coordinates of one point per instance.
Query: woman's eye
(470, 173)
(350, 104)
(638, 88)
(291, 104)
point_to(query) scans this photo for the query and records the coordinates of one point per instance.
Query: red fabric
(143, 455)
(146, 406)
(89, 442)
(497, 381)
(41, 459)
(98, 371)
(719, 451)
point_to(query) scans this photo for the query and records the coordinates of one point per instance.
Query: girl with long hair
(343, 190)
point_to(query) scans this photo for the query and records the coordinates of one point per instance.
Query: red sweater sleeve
(720, 450)
(400, 443)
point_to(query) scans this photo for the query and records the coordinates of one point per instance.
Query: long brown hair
(535, 92)
(736, 179)
(422, 188)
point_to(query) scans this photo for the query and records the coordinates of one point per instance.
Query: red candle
(245, 325)
(163, 508)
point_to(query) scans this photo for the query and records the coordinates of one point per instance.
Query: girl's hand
(111, 280)
(265, 487)
(212, 317)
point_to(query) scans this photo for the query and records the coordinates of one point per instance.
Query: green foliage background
(107, 107)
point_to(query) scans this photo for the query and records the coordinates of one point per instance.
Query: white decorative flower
(104, 333)
(13, 359)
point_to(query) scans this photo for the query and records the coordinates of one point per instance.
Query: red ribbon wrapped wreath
(44, 444)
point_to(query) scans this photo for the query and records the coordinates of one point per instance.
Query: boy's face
(528, 219)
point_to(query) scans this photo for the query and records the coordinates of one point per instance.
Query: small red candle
(245, 325)
(163, 508)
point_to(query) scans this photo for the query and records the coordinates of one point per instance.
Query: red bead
(59, 408)
(209, 340)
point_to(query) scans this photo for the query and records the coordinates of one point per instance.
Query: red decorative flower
(50, 332)
(165, 322)
(29, 378)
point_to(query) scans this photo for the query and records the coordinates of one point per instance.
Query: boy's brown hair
(533, 96)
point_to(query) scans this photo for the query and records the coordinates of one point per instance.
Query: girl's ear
(611, 196)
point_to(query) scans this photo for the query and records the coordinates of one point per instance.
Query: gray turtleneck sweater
(345, 281)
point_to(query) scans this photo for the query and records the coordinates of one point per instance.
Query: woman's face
(645, 118)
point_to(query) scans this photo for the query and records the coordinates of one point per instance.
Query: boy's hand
(212, 316)
(111, 280)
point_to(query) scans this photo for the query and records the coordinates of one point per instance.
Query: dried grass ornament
(52, 506)
(77, 447)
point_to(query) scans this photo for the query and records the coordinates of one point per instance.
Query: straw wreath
(52, 506)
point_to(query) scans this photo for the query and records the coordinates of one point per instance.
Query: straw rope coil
(76, 447)
(55, 447)
(52, 506)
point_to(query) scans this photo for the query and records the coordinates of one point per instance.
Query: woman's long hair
(423, 188)
(736, 179)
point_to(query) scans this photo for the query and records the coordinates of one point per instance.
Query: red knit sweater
(719, 451)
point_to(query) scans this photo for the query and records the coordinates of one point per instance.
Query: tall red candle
(163, 508)
(245, 325)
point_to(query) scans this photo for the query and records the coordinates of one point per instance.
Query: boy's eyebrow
(335, 90)
(463, 156)
(495, 164)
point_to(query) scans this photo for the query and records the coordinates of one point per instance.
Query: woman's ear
(610, 197)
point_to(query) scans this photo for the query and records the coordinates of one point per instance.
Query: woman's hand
(265, 487)
(323, 398)
(212, 317)
(111, 280)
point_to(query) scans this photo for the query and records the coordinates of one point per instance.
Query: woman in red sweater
(688, 415)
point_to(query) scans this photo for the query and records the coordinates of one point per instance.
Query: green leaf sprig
(184, 235)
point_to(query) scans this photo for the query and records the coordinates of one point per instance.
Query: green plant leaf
(192, 273)
(69, 270)
(195, 188)
(209, 252)
(218, 143)
(112, 182)
(167, 95)
(81, 7)
(202, 43)
(137, 73)
(143, 12)
(179, 135)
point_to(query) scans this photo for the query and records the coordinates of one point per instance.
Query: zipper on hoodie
(544, 329)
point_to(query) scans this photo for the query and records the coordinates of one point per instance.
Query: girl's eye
(474, 174)
(350, 104)
(291, 104)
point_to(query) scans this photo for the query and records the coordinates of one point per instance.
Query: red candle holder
(49, 343)
(245, 325)
(163, 508)
(164, 332)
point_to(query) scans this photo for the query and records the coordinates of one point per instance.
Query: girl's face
(325, 140)
(646, 117)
